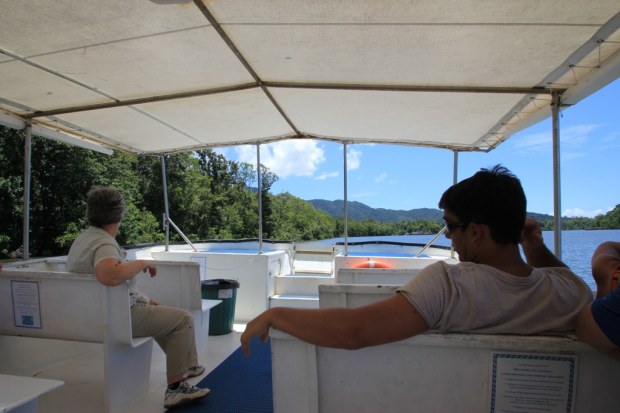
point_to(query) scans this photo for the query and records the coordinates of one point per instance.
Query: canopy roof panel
(149, 77)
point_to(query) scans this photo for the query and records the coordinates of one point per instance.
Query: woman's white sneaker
(195, 371)
(185, 393)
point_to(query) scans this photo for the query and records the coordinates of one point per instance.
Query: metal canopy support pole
(455, 167)
(27, 175)
(455, 179)
(164, 180)
(260, 200)
(346, 206)
(557, 210)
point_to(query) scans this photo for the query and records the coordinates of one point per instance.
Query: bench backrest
(74, 306)
(382, 276)
(352, 295)
(63, 305)
(177, 284)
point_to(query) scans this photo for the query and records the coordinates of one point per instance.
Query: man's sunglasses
(451, 226)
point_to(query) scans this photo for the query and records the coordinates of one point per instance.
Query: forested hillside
(358, 211)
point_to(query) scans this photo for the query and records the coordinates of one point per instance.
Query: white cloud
(576, 212)
(246, 153)
(381, 177)
(327, 175)
(295, 157)
(573, 138)
(354, 159)
(225, 152)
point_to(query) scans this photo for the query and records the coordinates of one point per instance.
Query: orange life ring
(373, 264)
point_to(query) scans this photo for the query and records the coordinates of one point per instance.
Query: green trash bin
(222, 315)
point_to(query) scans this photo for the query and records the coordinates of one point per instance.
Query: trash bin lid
(219, 284)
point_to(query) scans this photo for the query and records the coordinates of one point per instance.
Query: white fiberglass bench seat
(177, 284)
(440, 372)
(76, 307)
(21, 394)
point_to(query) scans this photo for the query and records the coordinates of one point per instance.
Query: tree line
(210, 197)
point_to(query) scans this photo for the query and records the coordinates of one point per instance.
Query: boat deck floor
(83, 378)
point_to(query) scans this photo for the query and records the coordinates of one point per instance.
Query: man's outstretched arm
(389, 320)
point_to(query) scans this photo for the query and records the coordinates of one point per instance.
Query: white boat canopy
(161, 76)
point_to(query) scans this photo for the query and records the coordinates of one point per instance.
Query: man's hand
(605, 261)
(531, 235)
(536, 252)
(257, 327)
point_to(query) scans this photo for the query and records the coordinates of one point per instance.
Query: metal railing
(178, 230)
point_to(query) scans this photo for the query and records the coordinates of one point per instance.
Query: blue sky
(399, 177)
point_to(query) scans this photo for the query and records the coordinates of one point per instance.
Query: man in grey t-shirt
(492, 290)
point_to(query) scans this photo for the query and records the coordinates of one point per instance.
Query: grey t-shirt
(93, 246)
(477, 298)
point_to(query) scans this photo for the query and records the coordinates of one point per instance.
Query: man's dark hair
(104, 206)
(493, 197)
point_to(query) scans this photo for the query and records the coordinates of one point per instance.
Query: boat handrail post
(178, 230)
(428, 244)
(164, 181)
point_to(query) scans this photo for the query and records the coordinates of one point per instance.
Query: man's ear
(478, 231)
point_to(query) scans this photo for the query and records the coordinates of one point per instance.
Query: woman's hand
(150, 268)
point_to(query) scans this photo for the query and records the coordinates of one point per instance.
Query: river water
(577, 246)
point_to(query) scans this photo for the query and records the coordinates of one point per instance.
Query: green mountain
(359, 212)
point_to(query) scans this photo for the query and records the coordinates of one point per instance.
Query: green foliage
(139, 227)
(371, 227)
(609, 220)
(295, 219)
(74, 229)
(61, 176)
(5, 241)
(11, 190)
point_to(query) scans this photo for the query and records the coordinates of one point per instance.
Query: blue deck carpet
(239, 385)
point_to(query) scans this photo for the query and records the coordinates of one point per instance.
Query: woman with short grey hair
(96, 251)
